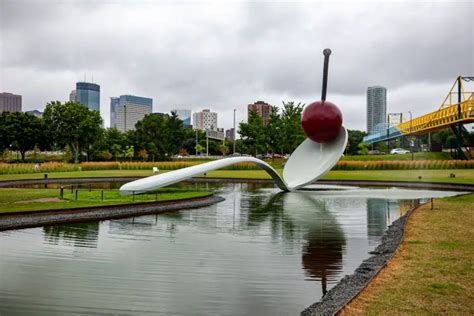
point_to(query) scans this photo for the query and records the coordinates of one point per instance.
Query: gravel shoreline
(32, 219)
(351, 285)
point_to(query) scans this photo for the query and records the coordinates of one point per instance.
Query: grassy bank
(433, 272)
(464, 176)
(20, 200)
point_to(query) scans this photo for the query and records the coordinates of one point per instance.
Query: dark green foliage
(282, 134)
(72, 124)
(355, 138)
(20, 131)
(161, 136)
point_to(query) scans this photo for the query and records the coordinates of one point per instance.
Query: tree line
(77, 131)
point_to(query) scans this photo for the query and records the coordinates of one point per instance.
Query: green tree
(199, 148)
(224, 149)
(114, 141)
(161, 136)
(176, 134)
(363, 149)
(20, 131)
(354, 139)
(129, 152)
(253, 134)
(274, 132)
(72, 124)
(293, 133)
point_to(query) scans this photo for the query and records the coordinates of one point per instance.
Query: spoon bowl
(311, 160)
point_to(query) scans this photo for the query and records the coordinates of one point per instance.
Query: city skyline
(270, 51)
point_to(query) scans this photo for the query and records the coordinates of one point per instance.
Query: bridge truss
(456, 110)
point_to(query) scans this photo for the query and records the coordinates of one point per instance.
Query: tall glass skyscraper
(114, 103)
(376, 107)
(88, 94)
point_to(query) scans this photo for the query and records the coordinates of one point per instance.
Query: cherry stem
(326, 53)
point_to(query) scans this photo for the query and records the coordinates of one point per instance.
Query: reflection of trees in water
(261, 209)
(325, 241)
(81, 235)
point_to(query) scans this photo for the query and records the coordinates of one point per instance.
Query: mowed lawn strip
(433, 272)
(462, 176)
(20, 200)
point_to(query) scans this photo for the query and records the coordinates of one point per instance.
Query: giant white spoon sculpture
(309, 162)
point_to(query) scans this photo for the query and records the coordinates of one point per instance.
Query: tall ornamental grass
(18, 168)
(404, 165)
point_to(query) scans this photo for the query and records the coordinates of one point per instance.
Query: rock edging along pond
(403, 184)
(351, 285)
(42, 218)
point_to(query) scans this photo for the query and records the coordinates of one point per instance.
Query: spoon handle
(326, 53)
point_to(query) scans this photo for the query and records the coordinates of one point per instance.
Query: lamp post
(411, 138)
(196, 148)
(388, 131)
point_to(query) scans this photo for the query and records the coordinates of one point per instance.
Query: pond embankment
(41, 218)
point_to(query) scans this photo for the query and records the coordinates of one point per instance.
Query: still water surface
(260, 252)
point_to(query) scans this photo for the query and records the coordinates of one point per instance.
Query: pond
(259, 252)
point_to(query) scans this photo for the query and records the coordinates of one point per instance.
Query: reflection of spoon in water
(309, 162)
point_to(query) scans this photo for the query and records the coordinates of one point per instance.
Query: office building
(88, 94)
(114, 102)
(10, 102)
(376, 108)
(127, 110)
(264, 110)
(229, 134)
(205, 120)
(185, 116)
(72, 96)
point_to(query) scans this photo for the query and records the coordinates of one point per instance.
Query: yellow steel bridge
(456, 110)
(458, 107)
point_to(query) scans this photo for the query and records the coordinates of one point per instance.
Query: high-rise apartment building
(72, 96)
(262, 109)
(127, 110)
(185, 116)
(205, 120)
(88, 94)
(376, 108)
(10, 102)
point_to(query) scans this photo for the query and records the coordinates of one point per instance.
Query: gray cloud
(224, 56)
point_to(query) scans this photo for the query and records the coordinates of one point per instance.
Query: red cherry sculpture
(321, 121)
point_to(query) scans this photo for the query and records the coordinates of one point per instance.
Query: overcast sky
(224, 55)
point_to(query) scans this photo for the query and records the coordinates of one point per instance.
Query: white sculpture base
(309, 162)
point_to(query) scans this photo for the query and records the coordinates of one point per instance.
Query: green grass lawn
(18, 200)
(433, 272)
(465, 176)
